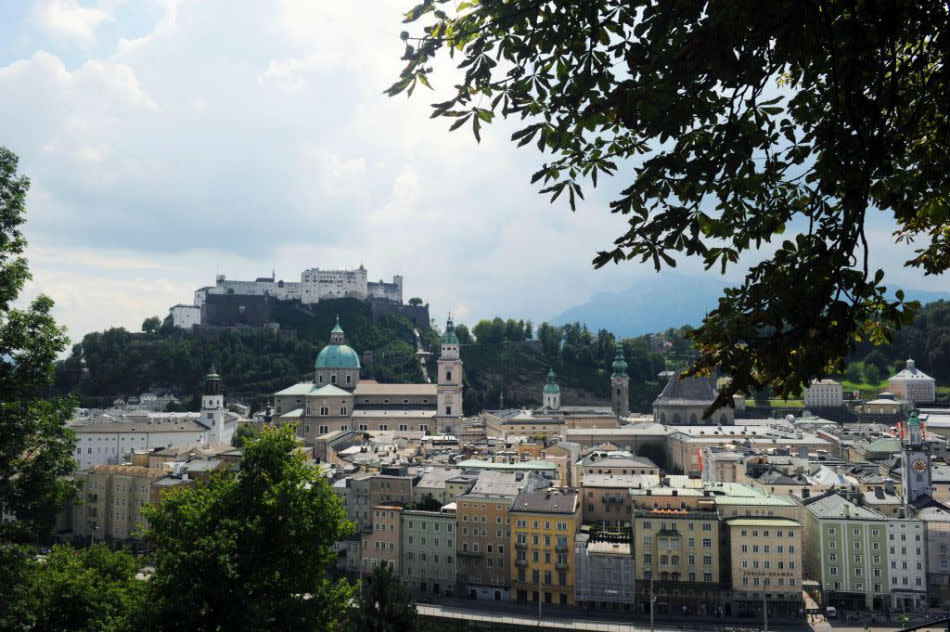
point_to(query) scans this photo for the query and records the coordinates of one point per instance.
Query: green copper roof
(551, 387)
(620, 365)
(338, 357)
(213, 375)
(914, 419)
(449, 337)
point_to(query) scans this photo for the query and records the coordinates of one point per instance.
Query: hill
(254, 362)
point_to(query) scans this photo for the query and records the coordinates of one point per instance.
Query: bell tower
(620, 386)
(916, 461)
(212, 407)
(448, 412)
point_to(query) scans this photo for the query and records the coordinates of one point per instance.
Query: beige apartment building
(766, 565)
(114, 497)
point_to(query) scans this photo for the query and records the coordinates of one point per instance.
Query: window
(707, 543)
(448, 410)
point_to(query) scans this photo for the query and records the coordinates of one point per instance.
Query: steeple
(620, 385)
(619, 365)
(336, 334)
(915, 462)
(551, 394)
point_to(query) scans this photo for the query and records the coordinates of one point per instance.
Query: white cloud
(233, 137)
(67, 18)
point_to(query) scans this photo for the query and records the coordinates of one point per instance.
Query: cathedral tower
(449, 389)
(916, 461)
(620, 386)
(212, 407)
(551, 395)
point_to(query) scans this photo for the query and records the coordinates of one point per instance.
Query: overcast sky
(172, 140)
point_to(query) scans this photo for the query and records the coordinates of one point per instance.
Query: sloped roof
(687, 391)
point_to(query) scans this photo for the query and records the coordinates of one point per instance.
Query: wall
(230, 310)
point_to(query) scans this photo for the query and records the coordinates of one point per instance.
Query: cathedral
(337, 399)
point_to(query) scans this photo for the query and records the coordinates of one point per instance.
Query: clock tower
(916, 462)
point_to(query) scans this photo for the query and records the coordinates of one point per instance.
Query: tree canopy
(35, 445)
(732, 124)
(249, 550)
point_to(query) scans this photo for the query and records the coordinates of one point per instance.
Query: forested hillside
(502, 357)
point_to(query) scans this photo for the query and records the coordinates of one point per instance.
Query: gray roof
(502, 484)
(775, 477)
(546, 502)
(694, 390)
(435, 477)
(832, 506)
(616, 458)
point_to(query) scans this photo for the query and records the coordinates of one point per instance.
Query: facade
(684, 400)
(317, 285)
(543, 527)
(337, 400)
(314, 285)
(937, 526)
(617, 462)
(824, 394)
(765, 558)
(604, 574)
(605, 498)
(846, 550)
(913, 384)
(109, 443)
(676, 550)
(113, 498)
(382, 543)
(907, 572)
(484, 532)
(185, 316)
(428, 552)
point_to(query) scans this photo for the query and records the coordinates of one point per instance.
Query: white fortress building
(315, 285)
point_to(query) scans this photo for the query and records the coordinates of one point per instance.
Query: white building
(109, 442)
(913, 384)
(907, 564)
(823, 394)
(185, 316)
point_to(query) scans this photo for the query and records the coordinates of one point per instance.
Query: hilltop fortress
(213, 302)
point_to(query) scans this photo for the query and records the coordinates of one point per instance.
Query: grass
(779, 403)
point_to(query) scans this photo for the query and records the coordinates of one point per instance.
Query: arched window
(692, 419)
(676, 419)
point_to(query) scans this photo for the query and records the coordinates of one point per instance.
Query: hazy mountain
(657, 303)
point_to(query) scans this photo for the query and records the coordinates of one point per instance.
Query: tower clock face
(919, 465)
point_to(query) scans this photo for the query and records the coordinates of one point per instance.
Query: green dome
(551, 388)
(338, 357)
(914, 420)
(619, 365)
(449, 337)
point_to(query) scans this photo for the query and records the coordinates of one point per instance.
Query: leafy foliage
(86, 589)
(35, 445)
(384, 605)
(249, 551)
(736, 121)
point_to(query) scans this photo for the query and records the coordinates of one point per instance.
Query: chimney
(806, 492)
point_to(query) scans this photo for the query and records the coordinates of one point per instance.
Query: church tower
(212, 407)
(448, 413)
(551, 395)
(620, 386)
(916, 462)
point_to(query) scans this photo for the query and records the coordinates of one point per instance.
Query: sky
(168, 141)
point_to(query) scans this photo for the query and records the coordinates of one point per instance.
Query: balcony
(612, 498)
(561, 548)
(561, 566)
(521, 563)
(469, 553)
(521, 546)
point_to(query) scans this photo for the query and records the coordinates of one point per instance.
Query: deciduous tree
(249, 551)
(735, 125)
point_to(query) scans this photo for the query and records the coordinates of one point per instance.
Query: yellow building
(113, 499)
(543, 527)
